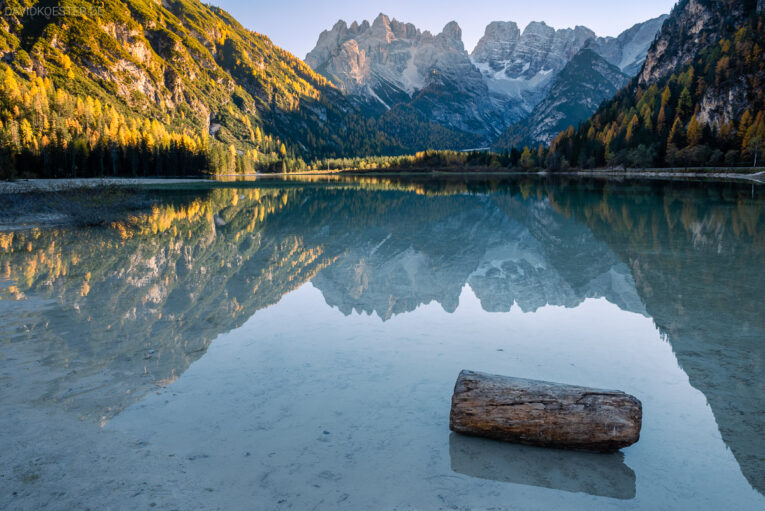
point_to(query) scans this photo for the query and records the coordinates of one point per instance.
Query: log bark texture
(544, 414)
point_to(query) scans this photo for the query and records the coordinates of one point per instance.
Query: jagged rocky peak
(387, 63)
(521, 66)
(540, 47)
(452, 33)
(382, 31)
(505, 52)
(363, 56)
(497, 44)
(559, 46)
(628, 50)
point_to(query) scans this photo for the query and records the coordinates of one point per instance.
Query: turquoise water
(294, 344)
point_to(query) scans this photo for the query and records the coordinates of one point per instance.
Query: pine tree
(684, 105)
(695, 131)
(674, 133)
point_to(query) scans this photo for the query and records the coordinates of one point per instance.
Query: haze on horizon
(295, 25)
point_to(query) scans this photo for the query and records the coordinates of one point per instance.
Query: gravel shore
(57, 185)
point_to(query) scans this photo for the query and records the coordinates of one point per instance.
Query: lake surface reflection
(294, 344)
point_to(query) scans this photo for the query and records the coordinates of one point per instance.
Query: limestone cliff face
(524, 68)
(628, 50)
(682, 37)
(694, 26)
(497, 44)
(569, 94)
(364, 57)
(578, 90)
(388, 63)
(525, 65)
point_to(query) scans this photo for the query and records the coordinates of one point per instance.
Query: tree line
(46, 131)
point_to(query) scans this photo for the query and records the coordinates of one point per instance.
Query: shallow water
(294, 345)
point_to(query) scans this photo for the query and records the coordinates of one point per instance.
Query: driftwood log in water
(544, 414)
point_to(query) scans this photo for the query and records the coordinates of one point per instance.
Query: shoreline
(669, 173)
(38, 185)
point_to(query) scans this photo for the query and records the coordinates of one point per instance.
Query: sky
(295, 25)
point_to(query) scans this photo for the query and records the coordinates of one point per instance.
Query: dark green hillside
(699, 100)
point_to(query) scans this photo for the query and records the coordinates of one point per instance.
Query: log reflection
(602, 475)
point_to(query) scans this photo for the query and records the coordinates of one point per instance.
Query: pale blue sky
(295, 25)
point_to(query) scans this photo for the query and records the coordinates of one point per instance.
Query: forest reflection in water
(112, 311)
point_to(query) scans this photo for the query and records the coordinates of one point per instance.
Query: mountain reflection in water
(139, 300)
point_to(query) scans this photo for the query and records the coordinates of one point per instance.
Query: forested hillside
(699, 100)
(137, 87)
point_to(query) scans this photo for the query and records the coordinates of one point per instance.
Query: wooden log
(544, 414)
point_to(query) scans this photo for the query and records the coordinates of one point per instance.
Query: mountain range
(387, 64)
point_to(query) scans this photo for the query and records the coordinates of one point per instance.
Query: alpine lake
(286, 343)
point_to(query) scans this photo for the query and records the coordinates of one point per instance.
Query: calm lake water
(294, 344)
